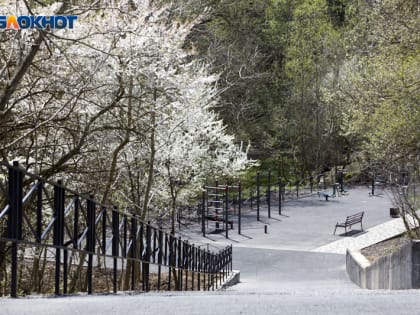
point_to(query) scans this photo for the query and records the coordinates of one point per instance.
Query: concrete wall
(399, 270)
(415, 255)
(234, 278)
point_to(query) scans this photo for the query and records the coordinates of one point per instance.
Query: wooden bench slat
(351, 220)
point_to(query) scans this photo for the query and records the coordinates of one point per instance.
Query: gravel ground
(384, 248)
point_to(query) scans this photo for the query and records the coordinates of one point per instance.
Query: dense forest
(143, 101)
(318, 83)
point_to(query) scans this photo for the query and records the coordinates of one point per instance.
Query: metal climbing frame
(215, 207)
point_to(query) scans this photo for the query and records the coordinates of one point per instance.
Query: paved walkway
(371, 236)
(298, 267)
(308, 302)
(307, 224)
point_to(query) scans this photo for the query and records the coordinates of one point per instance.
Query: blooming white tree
(192, 142)
(114, 104)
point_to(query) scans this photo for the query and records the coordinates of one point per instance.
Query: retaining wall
(399, 270)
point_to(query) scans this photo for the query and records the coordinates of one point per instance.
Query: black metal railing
(266, 189)
(55, 240)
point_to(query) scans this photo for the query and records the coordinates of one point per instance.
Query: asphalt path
(288, 301)
(280, 272)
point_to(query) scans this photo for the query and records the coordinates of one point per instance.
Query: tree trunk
(151, 161)
(174, 195)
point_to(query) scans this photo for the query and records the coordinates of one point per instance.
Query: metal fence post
(222, 264)
(231, 258)
(169, 239)
(219, 267)
(124, 253)
(160, 245)
(103, 230)
(258, 196)
(165, 258)
(15, 221)
(215, 264)
(58, 230)
(373, 182)
(280, 194)
(179, 244)
(148, 252)
(269, 193)
(193, 270)
(153, 252)
(239, 207)
(208, 270)
(133, 250)
(115, 245)
(227, 210)
(185, 263)
(216, 192)
(65, 271)
(143, 256)
(65, 256)
(90, 240)
(39, 211)
(76, 222)
(202, 268)
(198, 267)
(203, 214)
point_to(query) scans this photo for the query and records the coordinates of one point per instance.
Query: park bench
(351, 220)
(324, 194)
(219, 219)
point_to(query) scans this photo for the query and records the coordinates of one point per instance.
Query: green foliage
(380, 86)
(311, 52)
(232, 40)
(312, 83)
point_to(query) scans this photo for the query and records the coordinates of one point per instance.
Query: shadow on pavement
(353, 233)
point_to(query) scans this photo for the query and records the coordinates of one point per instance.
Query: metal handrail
(127, 231)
